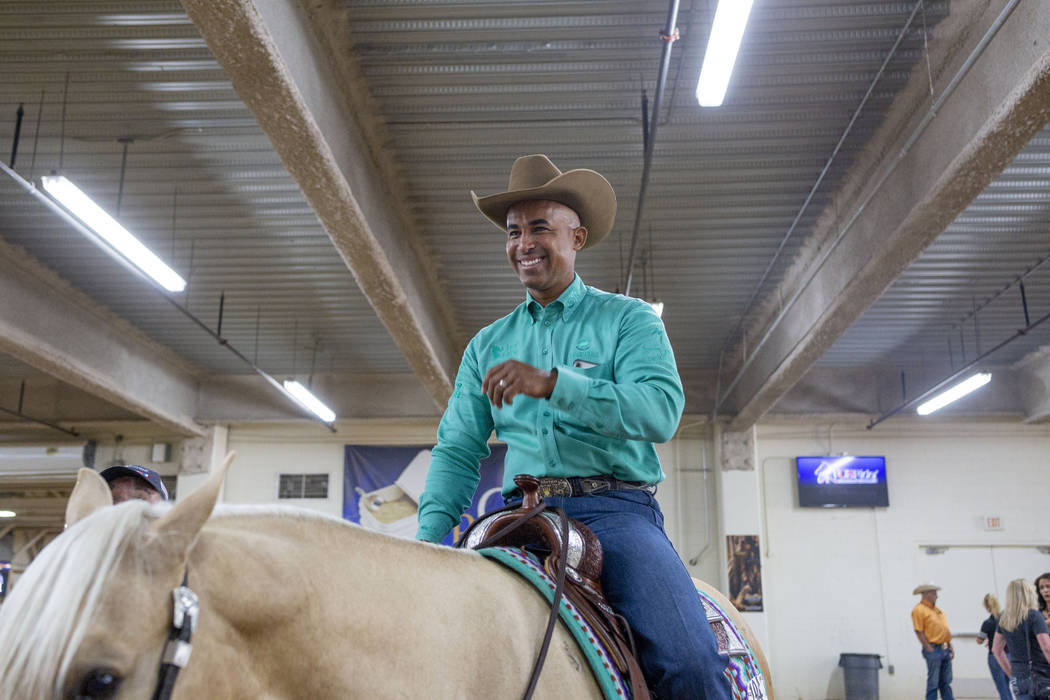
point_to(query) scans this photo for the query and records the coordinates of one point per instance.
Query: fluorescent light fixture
(658, 307)
(956, 392)
(309, 401)
(7, 514)
(722, 45)
(111, 232)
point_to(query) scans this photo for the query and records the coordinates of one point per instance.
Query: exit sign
(993, 522)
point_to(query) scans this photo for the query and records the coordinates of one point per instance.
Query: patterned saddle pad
(742, 672)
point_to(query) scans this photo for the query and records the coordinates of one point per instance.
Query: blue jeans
(645, 581)
(938, 673)
(1002, 681)
(1023, 681)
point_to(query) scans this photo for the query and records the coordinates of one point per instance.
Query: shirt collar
(567, 302)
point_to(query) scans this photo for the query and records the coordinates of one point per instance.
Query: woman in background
(1024, 631)
(1042, 587)
(987, 636)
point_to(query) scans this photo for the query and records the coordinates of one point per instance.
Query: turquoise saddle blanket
(742, 671)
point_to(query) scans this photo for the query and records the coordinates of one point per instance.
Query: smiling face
(542, 240)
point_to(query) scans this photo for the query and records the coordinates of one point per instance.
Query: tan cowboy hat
(924, 587)
(535, 177)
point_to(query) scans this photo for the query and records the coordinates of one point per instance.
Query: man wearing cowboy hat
(579, 383)
(931, 627)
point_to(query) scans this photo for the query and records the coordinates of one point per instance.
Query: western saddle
(571, 555)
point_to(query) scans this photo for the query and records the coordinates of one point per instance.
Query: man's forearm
(925, 642)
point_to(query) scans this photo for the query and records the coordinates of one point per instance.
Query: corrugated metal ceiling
(464, 88)
(961, 298)
(203, 188)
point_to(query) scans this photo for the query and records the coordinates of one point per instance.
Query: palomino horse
(291, 605)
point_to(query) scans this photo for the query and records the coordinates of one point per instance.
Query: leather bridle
(185, 611)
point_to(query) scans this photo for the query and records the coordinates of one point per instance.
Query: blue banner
(382, 485)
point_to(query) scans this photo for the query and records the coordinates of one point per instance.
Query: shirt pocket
(591, 367)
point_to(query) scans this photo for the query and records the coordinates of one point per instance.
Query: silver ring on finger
(502, 383)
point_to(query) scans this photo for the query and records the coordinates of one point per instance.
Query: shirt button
(547, 414)
(546, 323)
(545, 431)
(546, 350)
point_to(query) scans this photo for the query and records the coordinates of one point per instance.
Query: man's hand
(926, 646)
(508, 379)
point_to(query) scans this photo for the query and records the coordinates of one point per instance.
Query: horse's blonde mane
(46, 616)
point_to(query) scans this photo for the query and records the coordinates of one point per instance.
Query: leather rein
(559, 587)
(177, 651)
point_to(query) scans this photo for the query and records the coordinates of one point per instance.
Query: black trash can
(861, 672)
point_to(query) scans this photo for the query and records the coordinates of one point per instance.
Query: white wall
(263, 452)
(689, 501)
(840, 580)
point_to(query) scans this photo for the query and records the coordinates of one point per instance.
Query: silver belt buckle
(554, 486)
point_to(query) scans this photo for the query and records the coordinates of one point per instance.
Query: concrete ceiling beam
(1034, 385)
(293, 68)
(921, 168)
(49, 325)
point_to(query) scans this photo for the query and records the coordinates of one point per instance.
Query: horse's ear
(91, 493)
(178, 528)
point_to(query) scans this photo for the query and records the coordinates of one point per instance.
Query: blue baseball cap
(148, 475)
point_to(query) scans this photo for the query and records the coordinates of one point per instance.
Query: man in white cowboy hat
(579, 383)
(931, 627)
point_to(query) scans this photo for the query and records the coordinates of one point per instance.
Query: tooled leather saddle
(572, 555)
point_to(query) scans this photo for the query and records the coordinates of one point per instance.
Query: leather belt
(584, 485)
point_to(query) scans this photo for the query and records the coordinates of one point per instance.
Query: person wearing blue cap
(130, 481)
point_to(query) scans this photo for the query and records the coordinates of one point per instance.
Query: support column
(739, 488)
(1034, 384)
(199, 457)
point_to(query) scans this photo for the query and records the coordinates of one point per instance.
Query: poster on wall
(745, 572)
(382, 486)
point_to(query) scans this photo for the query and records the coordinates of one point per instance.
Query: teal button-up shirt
(617, 393)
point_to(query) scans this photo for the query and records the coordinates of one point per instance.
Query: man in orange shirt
(931, 627)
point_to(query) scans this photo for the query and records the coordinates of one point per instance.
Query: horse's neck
(280, 583)
(316, 608)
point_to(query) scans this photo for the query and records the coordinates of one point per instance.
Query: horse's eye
(98, 683)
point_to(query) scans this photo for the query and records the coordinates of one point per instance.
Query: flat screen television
(846, 481)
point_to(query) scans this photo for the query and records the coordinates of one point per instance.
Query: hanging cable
(19, 113)
(669, 36)
(123, 169)
(1019, 333)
